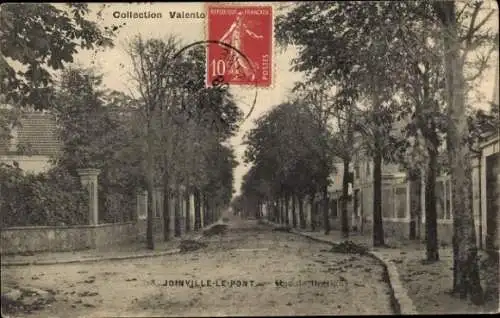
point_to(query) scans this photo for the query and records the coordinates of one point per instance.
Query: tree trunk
(278, 211)
(269, 211)
(294, 210)
(197, 210)
(150, 181)
(302, 217)
(415, 202)
(188, 214)
(283, 210)
(431, 235)
(313, 213)
(206, 211)
(466, 270)
(275, 211)
(258, 210)
(355, 216)
(287, 207)
(206, 219)
(166, 212)
(378, 226)
(177, 212)
(326, 216)
(343, 201)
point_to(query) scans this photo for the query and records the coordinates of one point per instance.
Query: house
(360, 191)
(396, 197)
(396, 193)
(486, 178)
(34, 141)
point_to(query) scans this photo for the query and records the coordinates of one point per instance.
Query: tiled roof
(37, 132)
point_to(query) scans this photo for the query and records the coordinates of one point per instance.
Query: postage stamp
(241, 51)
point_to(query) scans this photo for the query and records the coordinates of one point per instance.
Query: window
(368, 172)
(356, 172)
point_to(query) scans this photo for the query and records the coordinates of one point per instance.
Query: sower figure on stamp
(233, 38)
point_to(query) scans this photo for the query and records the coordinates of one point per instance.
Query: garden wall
(34, 239)
(17, 240)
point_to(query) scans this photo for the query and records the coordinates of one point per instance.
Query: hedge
(45, 199)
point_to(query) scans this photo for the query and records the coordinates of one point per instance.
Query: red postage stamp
(242, 54)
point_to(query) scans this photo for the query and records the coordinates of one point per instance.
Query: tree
(286, 156)
(466, 272)
(42, 37)
(349, 46)
(421, 46)
(184, 119)
(153, 65)
(318, 102)
(96, 131)
(205, 120)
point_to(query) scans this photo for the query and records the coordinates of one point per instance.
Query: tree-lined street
(383, 142)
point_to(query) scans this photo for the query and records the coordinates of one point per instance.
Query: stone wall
(35, 239)
(115, 234)
(157, 229)
(46, 238)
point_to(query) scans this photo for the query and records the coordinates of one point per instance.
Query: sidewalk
(128, 251)
(427, 286)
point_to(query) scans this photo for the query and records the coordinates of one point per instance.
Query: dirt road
(251, 270)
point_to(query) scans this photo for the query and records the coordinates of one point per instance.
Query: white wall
(35, 164)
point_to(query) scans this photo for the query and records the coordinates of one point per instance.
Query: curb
(90, 260)
(402, 304)
(112, 258)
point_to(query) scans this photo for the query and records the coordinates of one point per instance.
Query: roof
(37, 132)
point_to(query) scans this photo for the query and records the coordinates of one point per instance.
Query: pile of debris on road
(191, 245)
(349, 247)
(282, 229)
(26, 299)
(217, 229)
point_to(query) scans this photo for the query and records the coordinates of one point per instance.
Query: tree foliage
(97, 130)
(286, 155)
(42, 41)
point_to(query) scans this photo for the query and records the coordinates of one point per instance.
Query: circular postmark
(219, 81)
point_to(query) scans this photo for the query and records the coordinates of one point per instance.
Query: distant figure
(238, 66)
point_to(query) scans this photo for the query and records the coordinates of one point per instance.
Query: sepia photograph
(221, 159)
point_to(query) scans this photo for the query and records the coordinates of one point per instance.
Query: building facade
(396, 199)
(34, 142)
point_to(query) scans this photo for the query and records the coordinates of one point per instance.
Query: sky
(113, 62)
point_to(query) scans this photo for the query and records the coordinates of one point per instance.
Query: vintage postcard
(206, 159)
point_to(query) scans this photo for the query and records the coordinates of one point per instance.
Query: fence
(95, 235)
